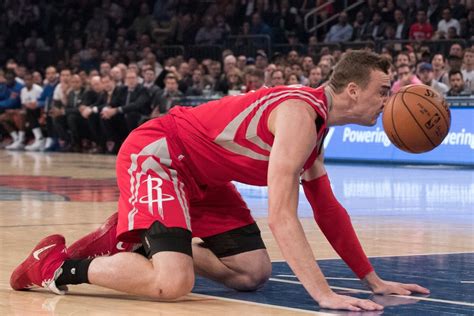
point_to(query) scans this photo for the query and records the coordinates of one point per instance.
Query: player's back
(229, 139)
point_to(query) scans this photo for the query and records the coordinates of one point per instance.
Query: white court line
(327, 278)
(370, 292)
(390, 256)
(262, 304)
(469, 282)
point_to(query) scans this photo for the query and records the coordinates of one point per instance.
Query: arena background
(96, 69)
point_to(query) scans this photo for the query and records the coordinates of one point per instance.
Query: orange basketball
(416, 119)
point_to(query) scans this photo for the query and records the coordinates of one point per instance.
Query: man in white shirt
(29, 113)
(468, 69)
(29, 96)
(448, 22)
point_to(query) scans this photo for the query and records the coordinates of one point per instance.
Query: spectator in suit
(359, 27)
(402, 27)
(149, 78)
(164, 101)
(376, 28)
(134, 103)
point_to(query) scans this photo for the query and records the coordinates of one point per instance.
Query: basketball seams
(434, 104)
(416, 121)
(394, 128)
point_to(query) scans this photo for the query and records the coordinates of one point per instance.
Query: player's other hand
(388, 287)
(336, 301)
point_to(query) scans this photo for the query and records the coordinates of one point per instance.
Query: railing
(248, 44)
(335, 16)
(314, 14)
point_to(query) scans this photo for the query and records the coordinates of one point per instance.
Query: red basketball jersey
(229, 140)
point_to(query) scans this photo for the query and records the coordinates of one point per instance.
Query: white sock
(14, 136)
(21, 136)
(37, 132)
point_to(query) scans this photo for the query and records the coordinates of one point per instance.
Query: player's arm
(335, 223)
(293, 124)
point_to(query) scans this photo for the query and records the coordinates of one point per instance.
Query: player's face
(373, 98)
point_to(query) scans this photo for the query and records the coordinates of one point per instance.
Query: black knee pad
(235, 241)
(161, 238)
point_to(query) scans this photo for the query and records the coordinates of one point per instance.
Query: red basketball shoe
(42, 267)
(99, 243)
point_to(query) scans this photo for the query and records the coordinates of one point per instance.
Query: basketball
(416, 119)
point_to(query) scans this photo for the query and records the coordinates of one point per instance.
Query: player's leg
(168, 275)
(233, 252)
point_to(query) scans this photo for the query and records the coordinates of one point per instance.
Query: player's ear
(352, 90)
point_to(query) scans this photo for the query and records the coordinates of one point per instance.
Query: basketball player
(174, 174)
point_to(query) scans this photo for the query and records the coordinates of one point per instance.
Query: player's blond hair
(356, 66)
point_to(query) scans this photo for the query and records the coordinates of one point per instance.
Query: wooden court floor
(396, 212)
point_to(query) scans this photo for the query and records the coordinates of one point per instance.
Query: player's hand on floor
(336, 301)
(389, 287)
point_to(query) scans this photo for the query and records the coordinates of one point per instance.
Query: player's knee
(254, 278)
(172, 286)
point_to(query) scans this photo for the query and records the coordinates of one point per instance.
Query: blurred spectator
(458, 10)
(447, 22)
(234, 81)
(359, 27)
(421, 30)
(405, 77)
(256, 78)
(292, 79)
(34, 42)
(315, 78)
(468, 68)
(199, 84)
(376, 28)
(104, 68)
(402, 27)
(439, 72)
(98, 24)
(296, 68)
(307, 64)
(116, 76)
(456, 50)
(293, 57)
(37, 78)
(261, 60)
(456, 81)
(241, 62)
(277, 78)
(143, 23)
(326, 69)
(164, 101)
(258, 27)
(10, 90)
(426, 75)
(209, 34)
(340, 32)
(149, 82)
(434, 12)
(134, 103)
(70, 125)
(454, 62)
